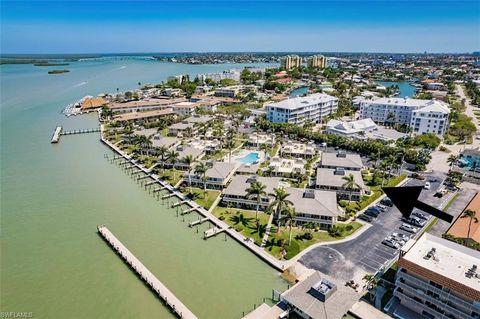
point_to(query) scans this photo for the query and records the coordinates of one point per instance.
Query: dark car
(366, 218)
(420, 215)
(371, 212)
(387, 202)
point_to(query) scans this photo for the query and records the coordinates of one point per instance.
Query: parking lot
(366, 253)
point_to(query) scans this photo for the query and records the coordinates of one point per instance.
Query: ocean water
(53, 263)
(406, 88)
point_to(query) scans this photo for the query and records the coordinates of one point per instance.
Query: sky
(403, 26)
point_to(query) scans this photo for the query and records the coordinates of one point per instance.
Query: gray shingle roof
(350, 161)
(327, 177)
(334, 307)
(220, 170)
(240, 183)
(323, 203)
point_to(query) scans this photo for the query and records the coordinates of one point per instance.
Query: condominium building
(315, 206)
(216, 177)
(313, 107)
(333, 179)
(317, 61)
(437, 278)
(291, 62)
(236, 192)
(422, 116)
(298, 150)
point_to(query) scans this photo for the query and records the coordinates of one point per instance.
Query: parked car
(387, 202)
(372, 212)
(401, 242)
(382, 208)
(415, 221)
(401, 236)
(391, 243)
(427, 185)
(408, 228)
(420, 215)
(366, 218)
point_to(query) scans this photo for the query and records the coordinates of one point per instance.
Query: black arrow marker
(406, 199)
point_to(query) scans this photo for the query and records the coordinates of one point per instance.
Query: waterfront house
(183, 151)
(341, 160)
(143, 117)
(332, 179)
(218, 175)
(90, 103)
(144, 105)
(235, 195)
(316, 206)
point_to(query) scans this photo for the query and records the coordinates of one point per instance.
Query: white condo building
(313, 107)
(422, 116)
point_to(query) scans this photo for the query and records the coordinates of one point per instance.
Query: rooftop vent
(339, 171)
(309, 193)
(472, 272)
(431, 254)
(252, 179)
(323, 289)
(342, 154)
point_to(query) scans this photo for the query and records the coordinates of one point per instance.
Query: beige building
(291, 62)
(317, 61)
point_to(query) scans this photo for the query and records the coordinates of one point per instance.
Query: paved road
(366, 253)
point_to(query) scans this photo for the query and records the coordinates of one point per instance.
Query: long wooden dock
(163, 292)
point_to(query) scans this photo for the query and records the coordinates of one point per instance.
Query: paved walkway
(163, 292)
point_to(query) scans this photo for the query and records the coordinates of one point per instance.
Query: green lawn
(243, 221)
(298, 243)
(171, 175)
(200, 198)
(376, 193)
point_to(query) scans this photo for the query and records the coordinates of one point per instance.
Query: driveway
(366, 253)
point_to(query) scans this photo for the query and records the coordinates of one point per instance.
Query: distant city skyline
(43, 27)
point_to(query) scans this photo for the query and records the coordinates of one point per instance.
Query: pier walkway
(163, 292)
(219, 224)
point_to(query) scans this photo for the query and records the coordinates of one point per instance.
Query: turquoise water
(53, 196)
(406, 88)
(299, 91)
(249, 158)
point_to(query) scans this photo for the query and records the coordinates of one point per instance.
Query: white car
(401, 236)
(391, 243)
(408, 228)
(427, 185)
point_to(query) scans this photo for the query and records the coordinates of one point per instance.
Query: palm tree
(372, 282)
(350, 185)
(201, 169)
(468, 213)
(188, 160)
(289, 218)
(188, 132)
(162, 151)
(264, 148)
(451, 160)
(256, 191)
(230, 144)
(280, 200)
(172, 158)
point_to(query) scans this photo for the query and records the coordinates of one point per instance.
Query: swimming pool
(250, 158)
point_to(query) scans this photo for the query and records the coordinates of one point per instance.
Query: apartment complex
(317, 61)
(422, 116)
(314, 206)
(291, 62)
(437, 278)
(313, 107)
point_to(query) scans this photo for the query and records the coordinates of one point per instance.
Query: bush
(307, 236)
(444, 149)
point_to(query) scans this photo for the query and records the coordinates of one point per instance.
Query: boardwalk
(160, 289)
